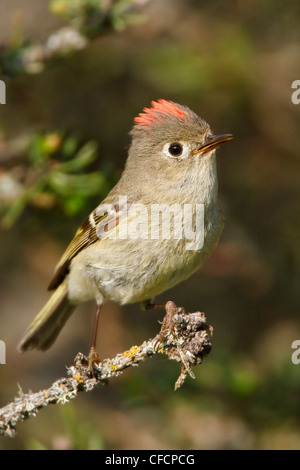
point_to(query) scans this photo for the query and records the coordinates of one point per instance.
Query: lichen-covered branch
(184, 337)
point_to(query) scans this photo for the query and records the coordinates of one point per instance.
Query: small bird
(171, 166)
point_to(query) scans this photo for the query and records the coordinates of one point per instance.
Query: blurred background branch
(54, 169)
(88, 19)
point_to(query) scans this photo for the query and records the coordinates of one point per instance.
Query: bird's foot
(93, 358)
(148, 305)
(167, 325)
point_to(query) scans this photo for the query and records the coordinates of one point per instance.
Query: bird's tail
(46, 326)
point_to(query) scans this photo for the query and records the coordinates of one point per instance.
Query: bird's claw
(93, 358)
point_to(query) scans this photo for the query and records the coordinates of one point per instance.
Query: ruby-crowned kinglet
(154, 229)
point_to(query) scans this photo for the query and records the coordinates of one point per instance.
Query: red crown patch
(150, 115)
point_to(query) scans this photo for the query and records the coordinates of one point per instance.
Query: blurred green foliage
(93, 16)
(58, 176)
(75, 436)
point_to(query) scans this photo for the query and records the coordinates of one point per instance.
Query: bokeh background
(63, 143)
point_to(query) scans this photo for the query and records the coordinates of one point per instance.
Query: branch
(183, 337)
(88, 19)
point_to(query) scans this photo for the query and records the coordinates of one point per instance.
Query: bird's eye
(175, 149)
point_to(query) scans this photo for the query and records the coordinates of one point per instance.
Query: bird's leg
(93, 356)
(150, 305)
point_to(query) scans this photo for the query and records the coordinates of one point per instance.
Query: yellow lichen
(132, 352)
(78, 378)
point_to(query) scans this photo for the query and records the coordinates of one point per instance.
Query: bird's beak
(212, 142)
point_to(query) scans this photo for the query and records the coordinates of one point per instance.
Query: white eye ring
(176, 150)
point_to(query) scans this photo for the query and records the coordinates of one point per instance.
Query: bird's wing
(98, 225)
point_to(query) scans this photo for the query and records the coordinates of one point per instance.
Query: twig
(183, 337)
(87, 21)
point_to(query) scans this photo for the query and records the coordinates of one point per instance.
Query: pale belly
(129, 271)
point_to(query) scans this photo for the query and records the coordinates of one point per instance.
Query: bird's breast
(150, 259)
